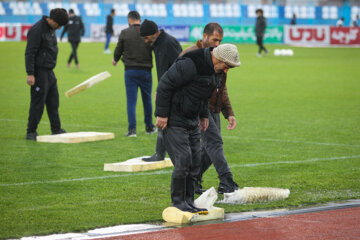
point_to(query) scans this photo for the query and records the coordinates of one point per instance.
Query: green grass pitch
(298, 128)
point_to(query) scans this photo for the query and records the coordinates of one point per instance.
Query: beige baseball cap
(228, 54)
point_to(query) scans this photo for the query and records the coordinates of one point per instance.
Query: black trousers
(74, 46)
(259, 42)
(212, 151)
(183, 146)
(44, 91)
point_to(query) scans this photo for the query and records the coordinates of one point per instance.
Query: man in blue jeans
(137, 58)
(109, 30)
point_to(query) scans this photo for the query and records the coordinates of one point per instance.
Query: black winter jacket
(41, 49)
(75, 29)
(109, 24)
(260, 26)
(184, 90)
(166, 49)
(134, 51)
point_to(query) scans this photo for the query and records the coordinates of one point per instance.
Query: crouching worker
(182, 111)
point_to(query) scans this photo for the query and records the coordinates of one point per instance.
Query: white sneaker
(258, 55)
(107, 51)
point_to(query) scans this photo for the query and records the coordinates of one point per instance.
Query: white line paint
(295, 162)
(294, 141)
(170, 171)
(65, 124)
(230, 137)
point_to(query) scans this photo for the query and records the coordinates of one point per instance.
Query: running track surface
(341, 224)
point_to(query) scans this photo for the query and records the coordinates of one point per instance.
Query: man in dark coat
(260, 32)
(109, 31)
(137, 58)
(211, 142)
(166, 49)
(40, 60)
(182, 111)
(75, 29)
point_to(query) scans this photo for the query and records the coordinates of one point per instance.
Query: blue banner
(181, 33)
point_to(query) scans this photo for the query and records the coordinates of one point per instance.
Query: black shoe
(153, 158)
(178, 188)
(31, 136)
(227, 184)
(198, 188)
(150, 130)
(60, 131)
(185, 207)
(131, 133)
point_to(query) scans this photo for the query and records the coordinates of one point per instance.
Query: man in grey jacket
(166, 49)
(182, 111)
(260, 32)
(137, 58)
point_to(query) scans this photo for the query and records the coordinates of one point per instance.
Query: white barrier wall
(307, 35)
(13, 32)
(321, 35)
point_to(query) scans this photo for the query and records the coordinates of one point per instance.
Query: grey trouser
(183, 146)
(212, 148)
(160, 145)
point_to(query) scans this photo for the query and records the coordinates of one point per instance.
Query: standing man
(40, 60)
(166, 49)
(182, 111)
(109, 30)
(137, 58)
(293, 20)
(211, 142)
(75, 29)
(260, 32)
(340, 22)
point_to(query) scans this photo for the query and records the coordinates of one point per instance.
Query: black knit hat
(148, 28)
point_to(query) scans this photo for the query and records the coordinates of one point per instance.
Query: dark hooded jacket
(75, 29)
(184, 90)
(219, 101)
(41, 49)
(260, 26)
(131, 48)
(166, 49)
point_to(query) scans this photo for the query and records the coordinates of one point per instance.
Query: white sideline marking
(65, 124)
(294, 162)
(167, 172)
(234, 137)
(295, 141)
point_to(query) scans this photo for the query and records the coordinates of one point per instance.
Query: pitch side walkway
(333, 221)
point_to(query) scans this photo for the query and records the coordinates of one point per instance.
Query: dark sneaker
(153, 158)
(151, 130)
(31, 136)
(198, 188)
(131, 133)
(227, 184)
(60, 131)
(229, 188)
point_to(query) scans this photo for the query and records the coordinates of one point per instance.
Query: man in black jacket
(40, 60)
(109, 30)
(166, 49)
(182, 111)
(212, 151)
(260, 31)
(75, 29)
(137, 58)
